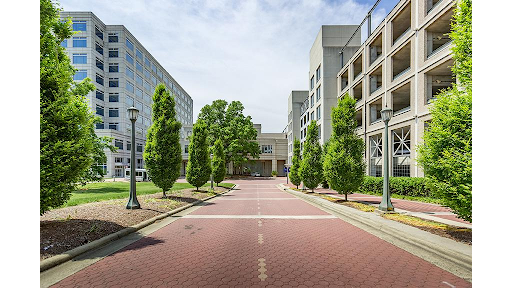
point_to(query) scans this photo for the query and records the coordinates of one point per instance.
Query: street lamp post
(133, 203)
(211, 174)
(385, 204)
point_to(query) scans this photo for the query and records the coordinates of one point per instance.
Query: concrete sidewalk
(428, 211)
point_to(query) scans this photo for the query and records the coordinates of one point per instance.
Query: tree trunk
(346, 196)
(165, 195)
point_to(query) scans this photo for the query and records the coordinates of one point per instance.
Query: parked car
(256, 174)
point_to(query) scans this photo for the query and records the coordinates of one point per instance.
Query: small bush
(274, 173)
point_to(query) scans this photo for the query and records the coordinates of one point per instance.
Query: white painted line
(444, 282)
(232, 199)
(259, 216)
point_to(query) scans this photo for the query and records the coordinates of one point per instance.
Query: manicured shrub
(405, 186)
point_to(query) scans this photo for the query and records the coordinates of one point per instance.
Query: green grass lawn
(102, 191)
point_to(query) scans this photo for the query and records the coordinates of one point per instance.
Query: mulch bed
(70, 227)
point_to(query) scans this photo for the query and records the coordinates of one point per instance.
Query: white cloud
(252, 51)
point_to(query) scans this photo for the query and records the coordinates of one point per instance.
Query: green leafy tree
(233, 128)
(344, 164)
(68, 143)
(198, 166)
(294, 170)
(311, 165)
(446, 152)
(162, 154)
(218, 162)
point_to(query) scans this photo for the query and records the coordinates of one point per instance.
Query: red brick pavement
(194, 252)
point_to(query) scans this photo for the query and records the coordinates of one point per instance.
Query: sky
(253, 51)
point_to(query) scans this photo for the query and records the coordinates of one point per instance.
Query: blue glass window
(113, 97)
(79, 26)
(99, 64)
(100, 95)
(138, 66)
(100, 125)
(64, 43)
(129, 73)
(99, 110)
(129, 87)
(113, 112)
(138, 54)
(147, 86)
(99, 79)
(147, 74)
(113, 37)
(129, 102)
(138, 79)
(129, 58)
(99, 49)
(138, 92)
(113, 82)
(80, 75)
(153, 67)
(79, 58)
(79, 42)
(113, 53)
(129, 44)
(147, 62)
(113, 67)
(153, 79)
(98, 32)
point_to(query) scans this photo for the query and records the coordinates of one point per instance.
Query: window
(147, 97)
(358, 91)
(319, 112)
(166, 81)
(153, 79)
(438, 79)
(318, 93)
(431, 4)
(99, 64)
(358, 66)
(100, 95)
(119, 144)
(138, 66)
(113, 97)
(375, 80)
(186, 149)
(138, 54)
(79, 58)
(119, 159)
(266, 149)
(113, 82)
(129, 101)
(98, 32)
(128, 147)
(401, 61)
(113, 37)
(139, 164)
(147, 74)
(113, 126)
(113, 112)
(138, 79)
(147, 86)
(113, 52)
(139, 106)
(139, 147)
(376, 155)
(100, 125)
(99, 79)
(79, 26)
(312, 102)
(100, 110)
(318, 73)
(312, 83)
(64, 43)
(344, 80)
(402, 152)
(147, 62)
(401, 99)
(159, 73)
(401, 24)
(376, 48)
(375, 108)
(138, 93)
(113, 67)
(129, 87)
(437, 34)
(147, 110)
(129, 44)
(99, 48)
(153, 67)
(129, 73)
(79, 41)
(80, 75)
(313, 115)
(129, 58)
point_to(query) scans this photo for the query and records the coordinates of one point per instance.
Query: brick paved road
(259, 236)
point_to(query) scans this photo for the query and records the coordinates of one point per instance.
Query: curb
(70, 254)
(456, 258)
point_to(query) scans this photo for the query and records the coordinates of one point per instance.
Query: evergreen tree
(68, 143)
(198, 166)
(344, 164)
(218, 162)
(294, 170)
(311, 165)
(162, 154)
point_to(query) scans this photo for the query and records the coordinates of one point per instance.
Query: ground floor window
(402, 152)
(118, 171)
(376, 155)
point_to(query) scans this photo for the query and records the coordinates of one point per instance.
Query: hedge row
(406, 186)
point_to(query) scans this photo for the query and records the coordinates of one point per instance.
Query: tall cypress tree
(198, 166)
(344, 164)
(163, 149)
(311, 165)
(294, 170)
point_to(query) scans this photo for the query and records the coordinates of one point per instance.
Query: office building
(125, 74)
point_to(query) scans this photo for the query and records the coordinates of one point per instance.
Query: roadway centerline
(260, 216)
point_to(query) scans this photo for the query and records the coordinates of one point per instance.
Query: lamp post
(385, 204)
(211, 174)
(133, 203)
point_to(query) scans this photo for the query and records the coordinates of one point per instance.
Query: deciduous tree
(311, 165)
(294, 170)
(198, 166)
(218, 162)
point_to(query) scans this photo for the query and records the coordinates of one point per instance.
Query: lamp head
(133, 113)
(386, 113)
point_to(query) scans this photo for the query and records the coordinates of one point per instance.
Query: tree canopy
(233, 128)
(198, 167)
(218, 162)
(294, 170)
(311, 165)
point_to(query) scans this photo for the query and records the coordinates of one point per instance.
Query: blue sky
(253, 51)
